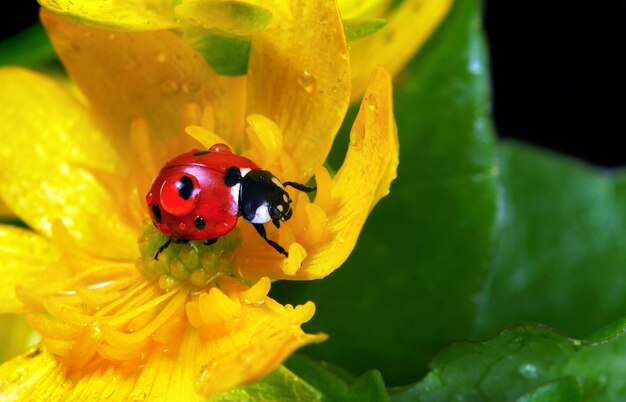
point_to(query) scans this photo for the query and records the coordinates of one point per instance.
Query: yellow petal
(28, 260)
(205, 137)
(367, 172)
(116, 14)
(252, 340)
(359, 8)
(298, 77)
(47, 141)
(140, 75)
(409, 25)
(266, 139)
(5, 212)
(199, 362)
(233, 17)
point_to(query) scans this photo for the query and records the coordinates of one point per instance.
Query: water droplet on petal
(307, 81)
(169, 87)
(160, 57)
(191, 87)
(221, 148)
(372, 104)
(138, 396)
(15, 377)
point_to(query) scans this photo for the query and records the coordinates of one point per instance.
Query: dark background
(558, 71)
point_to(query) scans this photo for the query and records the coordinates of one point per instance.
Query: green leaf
(16, 336)
(562, 390)
(410, 284)
(357, 29)
(302, 379)
(29, 48)
(337, 385)
(560, 256)
(281, 385)
(227, 55)
(530, 363)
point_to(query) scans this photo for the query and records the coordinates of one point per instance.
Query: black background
(558, 70)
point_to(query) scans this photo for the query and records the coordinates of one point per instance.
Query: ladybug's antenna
(299, 186)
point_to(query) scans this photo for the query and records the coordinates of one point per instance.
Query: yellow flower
(236, 17)
(115, 323)
(409, 24)
(404, 26)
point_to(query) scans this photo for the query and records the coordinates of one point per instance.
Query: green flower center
(190, 261)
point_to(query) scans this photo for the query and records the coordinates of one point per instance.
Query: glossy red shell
(211, 199)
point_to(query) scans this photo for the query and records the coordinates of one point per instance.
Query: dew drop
(307, 81)
(221, 148)
(167, 282)
(169, 87)
(15, 377)
(111, 36)
(357, 139)
(138, 396)
(191, 87)
(528, 370)
(372, 104)
(160, 57)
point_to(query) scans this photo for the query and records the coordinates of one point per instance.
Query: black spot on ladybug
(199, 222)
(156, 212)
(200, 153)
(185, 187)
(232, 176)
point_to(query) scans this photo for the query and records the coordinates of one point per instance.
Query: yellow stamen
(257, 293)
(297, 254)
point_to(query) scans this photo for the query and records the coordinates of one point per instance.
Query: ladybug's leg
(162, 248)
(261, 230)
(181, 241)
(299, 186)
(208, 242)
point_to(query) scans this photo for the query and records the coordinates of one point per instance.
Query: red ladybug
(199, 195)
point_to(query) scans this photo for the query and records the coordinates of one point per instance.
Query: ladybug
(200, 195)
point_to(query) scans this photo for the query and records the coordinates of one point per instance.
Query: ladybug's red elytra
(200, 195)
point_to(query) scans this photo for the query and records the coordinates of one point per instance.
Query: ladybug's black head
(263, 198)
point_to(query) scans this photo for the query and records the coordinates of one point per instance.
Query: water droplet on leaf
(528, 370)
